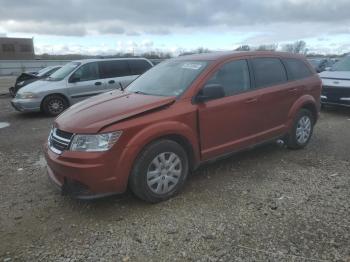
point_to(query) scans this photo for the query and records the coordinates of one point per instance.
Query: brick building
(16, 48)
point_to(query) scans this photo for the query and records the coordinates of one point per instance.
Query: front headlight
(26, 95)
(94, 143)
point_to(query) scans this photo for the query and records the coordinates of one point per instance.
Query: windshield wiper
(141, 93)
(121, 86)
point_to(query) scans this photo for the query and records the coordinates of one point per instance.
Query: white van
(76, 81)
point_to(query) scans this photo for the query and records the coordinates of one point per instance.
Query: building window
(8, 48)
(26, 48)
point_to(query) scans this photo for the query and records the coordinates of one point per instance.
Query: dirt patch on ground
(268, 204)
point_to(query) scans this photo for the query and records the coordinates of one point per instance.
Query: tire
(159, 171)
(301, 132)
(54, 105)
(12, 91)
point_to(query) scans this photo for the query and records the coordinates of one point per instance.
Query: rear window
(138, 67)
(296, 68)
(268, 72)
(116, 68)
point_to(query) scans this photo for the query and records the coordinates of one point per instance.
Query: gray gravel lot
(267, 204)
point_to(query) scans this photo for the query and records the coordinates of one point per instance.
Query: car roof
(223, 55)
(109, 59)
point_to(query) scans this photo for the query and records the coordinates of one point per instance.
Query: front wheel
(160, 171)
(54, 105)
(301, 131)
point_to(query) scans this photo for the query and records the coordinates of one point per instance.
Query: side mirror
(74, 79)
(209, 92)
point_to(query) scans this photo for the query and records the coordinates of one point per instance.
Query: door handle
(111, 82)
(251, 100)
(292, 90)
(98, 83)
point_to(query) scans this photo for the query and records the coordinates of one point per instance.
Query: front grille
(335, 93)
(59, 140)
(63, 134)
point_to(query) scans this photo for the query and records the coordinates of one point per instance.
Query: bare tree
(298, 47)
(243, 48)
(271, 47)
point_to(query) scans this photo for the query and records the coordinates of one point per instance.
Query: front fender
(152, 133)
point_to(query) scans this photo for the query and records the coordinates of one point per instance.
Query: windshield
(342, 65)
(63, 71)
(314, 62)
(169, 78)
(45, 70)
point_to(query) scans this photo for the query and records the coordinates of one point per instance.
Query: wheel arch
(307, 102)
(172, 130)
(184, 143)
(312, 108)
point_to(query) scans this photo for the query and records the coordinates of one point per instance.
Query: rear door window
(138, 67)
(268, 72)
(115, 68)
(296, 68)
(233, 77)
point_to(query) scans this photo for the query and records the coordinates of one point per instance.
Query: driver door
(229, 123)
(85, 82)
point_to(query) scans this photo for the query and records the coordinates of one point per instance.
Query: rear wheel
(301, 131)
(54, 105)
(160, 171)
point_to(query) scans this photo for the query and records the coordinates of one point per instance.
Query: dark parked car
(320, 64)
(178, 115)
(336, 84)
(30, 77)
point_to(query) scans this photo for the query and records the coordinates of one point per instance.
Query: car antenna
(121, 86)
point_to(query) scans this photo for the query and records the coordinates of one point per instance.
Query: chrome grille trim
(57, 143)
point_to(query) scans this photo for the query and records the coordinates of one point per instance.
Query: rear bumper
(26, 105)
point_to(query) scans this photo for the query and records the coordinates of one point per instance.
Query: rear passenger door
(115, 73)
(138, 67)
(85, 82)
(277, 94)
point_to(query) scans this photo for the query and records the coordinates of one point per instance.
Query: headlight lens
(26, 95)
(94, 143)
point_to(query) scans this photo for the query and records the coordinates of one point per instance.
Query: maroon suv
(178, 115)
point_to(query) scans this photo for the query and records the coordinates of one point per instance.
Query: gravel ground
(267, 204)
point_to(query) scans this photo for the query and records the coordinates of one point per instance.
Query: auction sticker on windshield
(193, 66)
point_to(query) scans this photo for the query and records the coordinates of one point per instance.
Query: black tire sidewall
(138, 180)
(292, 141)
(46, 106)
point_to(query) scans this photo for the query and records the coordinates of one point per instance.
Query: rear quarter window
(138, 67)
(296, 68)
(114, 68)
(268, 72)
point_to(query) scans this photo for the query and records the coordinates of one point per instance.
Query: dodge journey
(178, 115)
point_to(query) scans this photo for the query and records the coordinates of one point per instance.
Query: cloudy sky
(110, 26)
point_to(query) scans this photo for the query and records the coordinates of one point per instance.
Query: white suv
(336, 84)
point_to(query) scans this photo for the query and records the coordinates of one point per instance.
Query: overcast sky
(110, 26)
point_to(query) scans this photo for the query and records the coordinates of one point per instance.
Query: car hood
(95, 113)
(335, 74)
(40, 86)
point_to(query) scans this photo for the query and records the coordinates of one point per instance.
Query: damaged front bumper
(74, 188)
